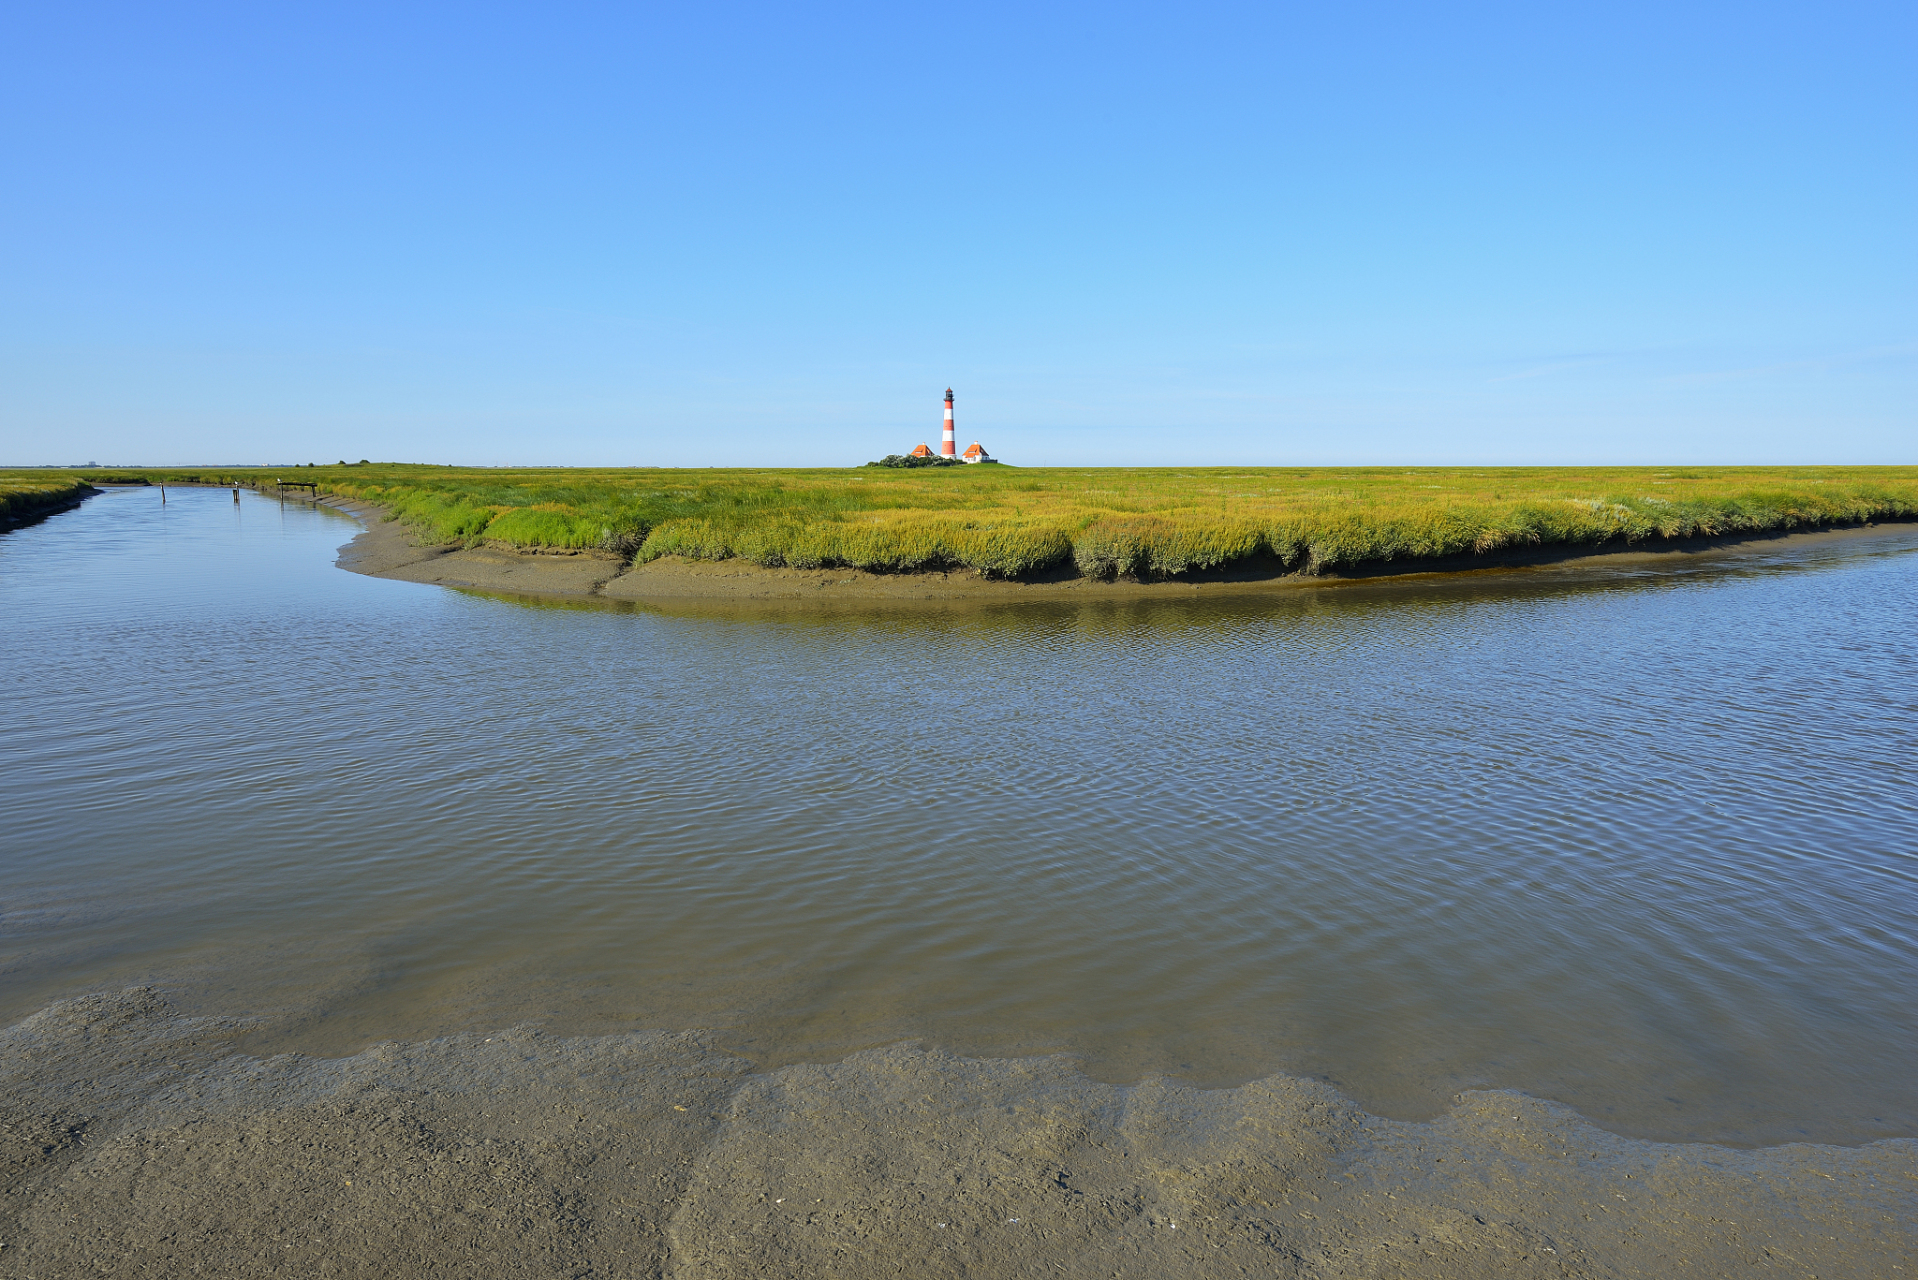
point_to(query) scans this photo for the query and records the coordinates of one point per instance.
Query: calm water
(1647, 845)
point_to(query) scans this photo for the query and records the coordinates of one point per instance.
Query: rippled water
(1647, 844)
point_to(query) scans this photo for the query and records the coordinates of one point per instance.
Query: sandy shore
(133, 1141)
(388, 550)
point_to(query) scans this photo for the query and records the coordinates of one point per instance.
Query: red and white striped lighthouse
(946, 449)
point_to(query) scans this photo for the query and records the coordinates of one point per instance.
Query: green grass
(1145, 522)
(23, 493)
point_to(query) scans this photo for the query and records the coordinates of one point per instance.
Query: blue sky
(693, 235)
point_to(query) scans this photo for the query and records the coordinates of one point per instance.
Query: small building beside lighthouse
(946, 450)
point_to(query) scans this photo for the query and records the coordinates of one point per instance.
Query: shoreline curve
(387, 549)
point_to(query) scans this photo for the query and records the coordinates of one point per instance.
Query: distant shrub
(905, 461)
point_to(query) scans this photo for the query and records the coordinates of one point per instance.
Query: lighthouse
(946, 449)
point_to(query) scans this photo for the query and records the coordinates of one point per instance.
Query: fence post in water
(163, 495)
(236, 495)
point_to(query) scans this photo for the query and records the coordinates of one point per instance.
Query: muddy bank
(388, 550)
(25, 509)
(136, 1142)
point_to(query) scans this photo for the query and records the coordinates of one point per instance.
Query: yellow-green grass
(1147, 522)
(24, 494)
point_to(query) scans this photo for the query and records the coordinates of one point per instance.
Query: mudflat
(137, 1142)
(389, 549)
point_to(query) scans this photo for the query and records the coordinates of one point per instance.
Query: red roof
(921, 452)
(977, 450)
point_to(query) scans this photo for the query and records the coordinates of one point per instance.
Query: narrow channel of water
(1644, 844)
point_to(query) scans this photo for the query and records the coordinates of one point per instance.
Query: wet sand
(388, 549)
(136, 1142)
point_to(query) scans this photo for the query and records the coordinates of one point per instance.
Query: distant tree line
(907, 460)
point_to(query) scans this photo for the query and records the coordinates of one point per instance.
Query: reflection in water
(1642, 843)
